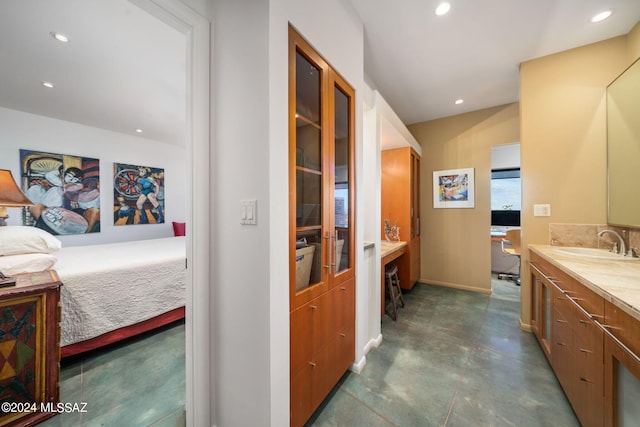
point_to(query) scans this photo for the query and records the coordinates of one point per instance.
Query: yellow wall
(563, 129)
(561, 124)
(634, 43)
(456, 247)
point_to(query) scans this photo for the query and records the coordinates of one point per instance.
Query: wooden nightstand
(29, 347)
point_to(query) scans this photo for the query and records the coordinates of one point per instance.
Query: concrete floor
(453, 358)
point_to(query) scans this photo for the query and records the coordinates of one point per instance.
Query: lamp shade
(10, 194)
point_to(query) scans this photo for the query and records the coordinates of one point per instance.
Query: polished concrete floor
(140, 382)
(453, 358)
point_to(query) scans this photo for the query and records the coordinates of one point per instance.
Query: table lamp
(10, 195)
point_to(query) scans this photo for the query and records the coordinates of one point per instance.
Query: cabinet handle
(343, 335)
(561, 343)
(605, 329)
(583, 379)
(584, 350)
(342, 288)
(607, 326)
(561, 321)
(314, 307)
(313, 365)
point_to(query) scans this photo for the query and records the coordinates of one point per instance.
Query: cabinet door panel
(621, 368)
(588, 370)
(311, 326)
(561, 352)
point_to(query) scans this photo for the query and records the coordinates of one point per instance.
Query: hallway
(453, 358)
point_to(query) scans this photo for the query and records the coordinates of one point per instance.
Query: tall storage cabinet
(401, 206)
(321, 228)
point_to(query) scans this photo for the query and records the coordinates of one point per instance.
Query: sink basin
(594, 253)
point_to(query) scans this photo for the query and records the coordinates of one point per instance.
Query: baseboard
(455, 286)
(359, 365)
(525, 326)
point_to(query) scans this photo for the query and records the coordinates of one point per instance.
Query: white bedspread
(106, 287)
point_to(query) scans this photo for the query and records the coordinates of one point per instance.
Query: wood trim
(123, 333)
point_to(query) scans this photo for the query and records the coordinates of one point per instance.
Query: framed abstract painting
(454, 188)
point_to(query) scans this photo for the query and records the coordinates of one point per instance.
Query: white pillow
(18, 239)
(26, 263)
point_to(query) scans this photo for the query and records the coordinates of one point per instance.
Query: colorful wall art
(138, 194)
(453, 188)
(65, 191)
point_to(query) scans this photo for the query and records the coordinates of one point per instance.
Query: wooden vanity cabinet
(321, 228)
(576, 342)
(621, 367)
(400, 202)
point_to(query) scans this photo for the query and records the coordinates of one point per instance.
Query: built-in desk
(389, 252)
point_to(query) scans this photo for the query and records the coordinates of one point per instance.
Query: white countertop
(616, 281)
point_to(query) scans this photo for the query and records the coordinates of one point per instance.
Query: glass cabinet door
(309, 173)
(342, 186)
(321, 175)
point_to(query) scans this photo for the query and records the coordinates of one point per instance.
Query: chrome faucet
(623, 247)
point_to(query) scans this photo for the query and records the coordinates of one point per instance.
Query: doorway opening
(506, 200)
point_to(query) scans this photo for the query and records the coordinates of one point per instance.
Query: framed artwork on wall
(454, 188)
(65, 191)
(138, 194)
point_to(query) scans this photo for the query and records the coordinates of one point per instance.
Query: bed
(114, 291)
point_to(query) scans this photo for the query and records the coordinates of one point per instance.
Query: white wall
(505, 156)
(250, 160)
(32, 132)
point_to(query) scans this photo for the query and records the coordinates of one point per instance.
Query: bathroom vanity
(586, 317)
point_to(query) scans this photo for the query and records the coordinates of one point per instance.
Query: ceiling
(421, 63)
(122, 69)
(125, 70)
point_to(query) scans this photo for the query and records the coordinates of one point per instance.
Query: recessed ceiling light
(459, 101)
(47, 84)
(442, 8)
(601, 16)
(60, 37)
(139, 130)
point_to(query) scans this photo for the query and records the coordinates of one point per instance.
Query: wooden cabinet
(565, 321)
(400, 200)
(30, 348)
(621, 367)
(541, 311)
(321, 227)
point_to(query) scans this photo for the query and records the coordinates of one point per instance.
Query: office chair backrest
(513, 236)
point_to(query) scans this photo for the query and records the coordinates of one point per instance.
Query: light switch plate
(249, 212)
(541, 210)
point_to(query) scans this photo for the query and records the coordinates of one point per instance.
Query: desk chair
(513, 239)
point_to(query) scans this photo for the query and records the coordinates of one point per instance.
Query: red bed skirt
(122, 333)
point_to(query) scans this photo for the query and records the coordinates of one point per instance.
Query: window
(505, 197)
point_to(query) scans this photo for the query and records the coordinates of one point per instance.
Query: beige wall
(634, 43)
(563, 129)
(561, 124)
(456, 247)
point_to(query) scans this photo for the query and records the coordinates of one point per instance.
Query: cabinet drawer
(588, 372)
(345, 304)
(561, 351)
(591, 302)
(311, 326)
(316, 378)
(622, 326)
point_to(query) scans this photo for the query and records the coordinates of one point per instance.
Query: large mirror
(623, 148)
